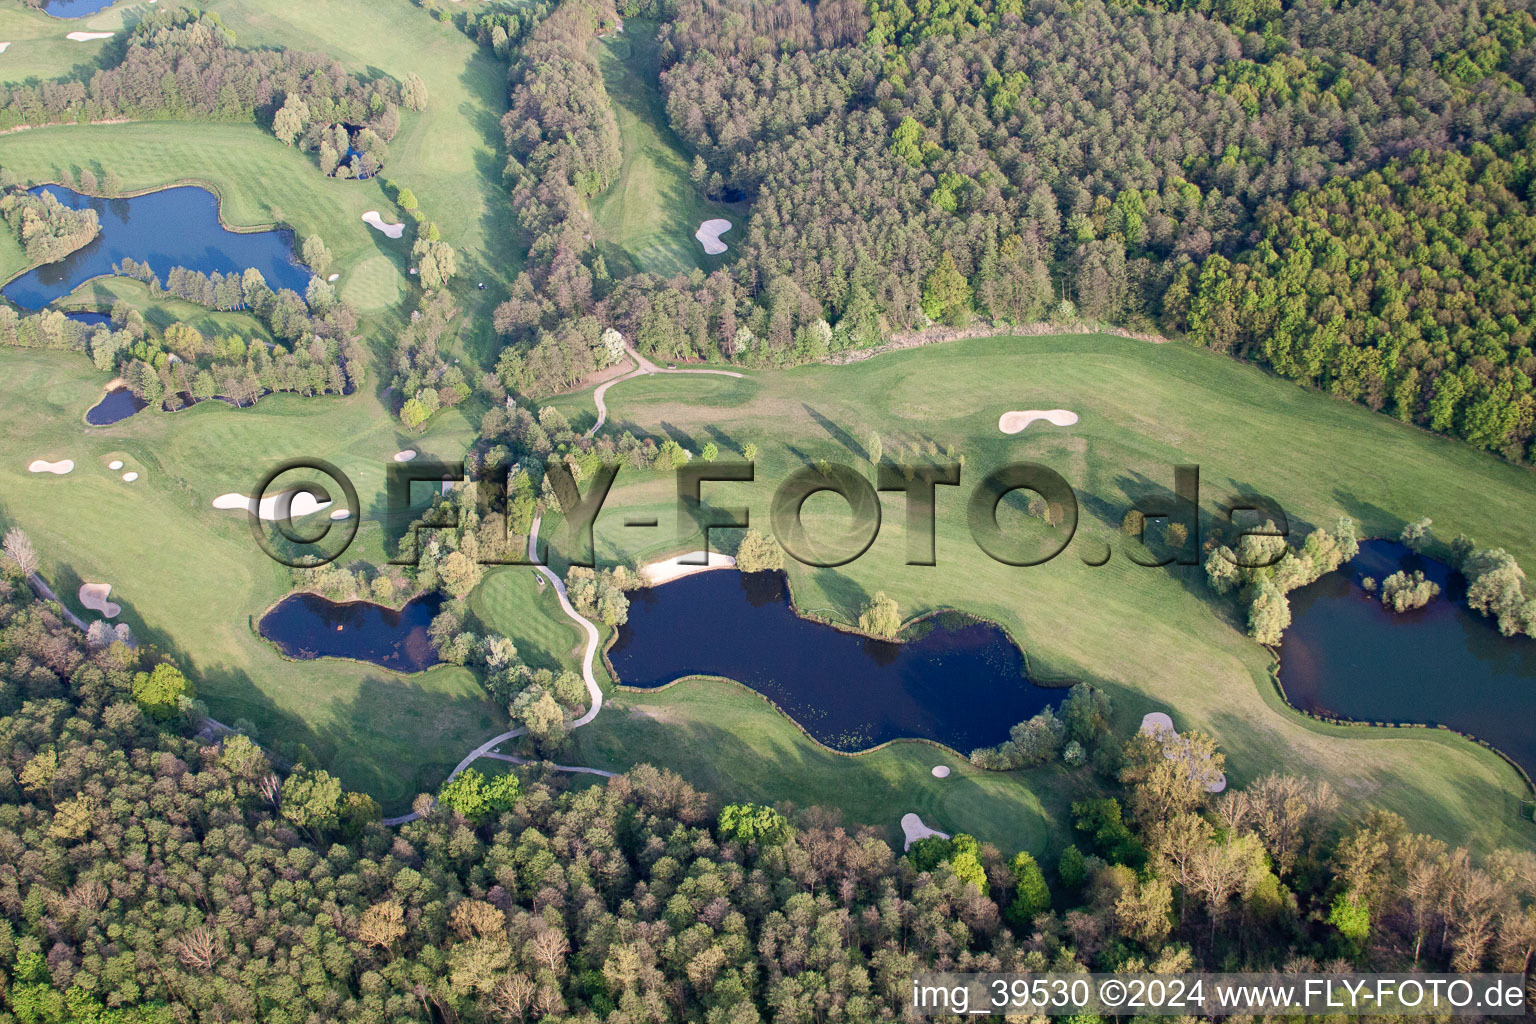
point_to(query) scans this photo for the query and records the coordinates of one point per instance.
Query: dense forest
(155, 869)
(1340, 192)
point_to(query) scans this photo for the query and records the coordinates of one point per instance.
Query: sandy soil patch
(1155, 723)
(129, 478)
(376, 222)
(94, 597)
(709, 235)
(669, 569)
(115, 464)
(914, 830)
(941, 771)
(56, 468)
(86, 37)
(270, 508)
(1013, 422)
(405, 456)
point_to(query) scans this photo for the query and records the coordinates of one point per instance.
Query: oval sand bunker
(941, 771)
(94, 597)
(405, 456)
(376, 222)
(1013, 422)
(709, 235)
(115, 464)
(56, 468)
(129, 478)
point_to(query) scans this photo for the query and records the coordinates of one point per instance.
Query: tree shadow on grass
(836, 432)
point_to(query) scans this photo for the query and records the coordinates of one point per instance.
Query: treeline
(149, 876)
(183, 63)
(563, 148)
(180, 365)
(910, 165)
(1407, 289)
(47, 229)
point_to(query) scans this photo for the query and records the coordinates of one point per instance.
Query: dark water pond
(1347, 655)
(117, 404)
(175, 227)
(89, 318)
(75, 8)
(957, 681)
(308, 626)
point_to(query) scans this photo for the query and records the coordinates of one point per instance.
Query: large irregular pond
(175, 227)
(1348, 656)
(308, 626)
(953, 680)
(117, 404)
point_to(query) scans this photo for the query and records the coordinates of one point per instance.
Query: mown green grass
(650, 212)
(510, 601)
(39, 49)
(191, 579)
(162, 311)
(1154, 638)
(372, 285)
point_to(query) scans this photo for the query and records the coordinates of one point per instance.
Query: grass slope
(39, 49)
(1156, 639)
(191, 579)
(650, 212)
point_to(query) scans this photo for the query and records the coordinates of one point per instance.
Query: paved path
(642, 366)
(594, 692)
(47, 594)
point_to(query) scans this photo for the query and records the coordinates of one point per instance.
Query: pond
(175, 227)
(954, 680)
(75, 8)
(1348, 656)
(308, 626)
(89, 318)
(117, 404)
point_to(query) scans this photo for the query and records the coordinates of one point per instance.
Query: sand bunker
(673, 568)
(94, 597)
(709, 234)
(85, 37)
(914, 829)
(270, 507)
(129, 478)
(377, 223)
(941, 771)
(57, 468)
(115, 464)
(4, 47)
(1013, 422)
(405, 456)
(1155, 723)
(341, 513)
(333, 277)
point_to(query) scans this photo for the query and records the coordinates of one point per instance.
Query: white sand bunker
(129, 478)
(405, 456)
(341, 513)
(1155, 723)
(333, 277)
(94, 597)
(115, 464)
(85, 37)
(914, 829)
(4, 47)
(674, 567)
(709, 234)
(272, 507)
(941, 771)
(1013, 422)
(56, 468)
(377, 223)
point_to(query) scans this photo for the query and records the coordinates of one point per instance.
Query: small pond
(89, 318)
(1348, 656)
(75, 8)
(175, 227)
(954, 680)
(117, 404)
(308, 626)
